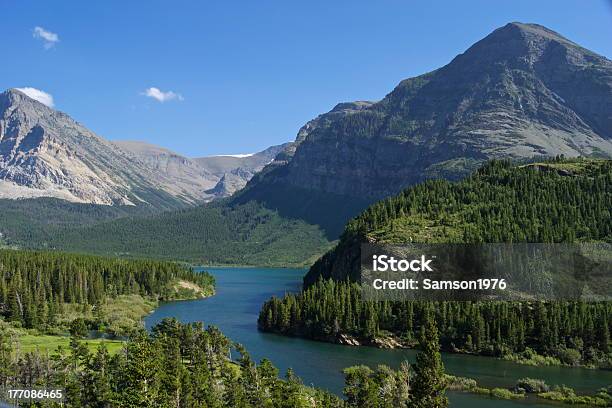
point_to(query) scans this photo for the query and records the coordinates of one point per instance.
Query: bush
(503, 393)
(531, 385)
(461, 383)
(564, 390)
(78, 328)
(569, 356)
(568, 397)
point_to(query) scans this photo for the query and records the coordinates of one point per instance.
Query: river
(241, 292)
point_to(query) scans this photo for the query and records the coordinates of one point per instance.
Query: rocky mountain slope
(186, 172)
(221, 164)
(45, 153)
(523, 91)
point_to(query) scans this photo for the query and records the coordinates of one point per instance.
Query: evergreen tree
(429, 381)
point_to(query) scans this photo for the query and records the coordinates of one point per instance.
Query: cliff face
(522, 91)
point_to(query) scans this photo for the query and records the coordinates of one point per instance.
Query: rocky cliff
(234, 171)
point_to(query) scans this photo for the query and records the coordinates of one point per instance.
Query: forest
(173, 364)
(559, 200)
(212, 234)
(575, 333)
(38, 288)
(190, 366)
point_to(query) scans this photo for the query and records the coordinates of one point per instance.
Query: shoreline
(392, 342)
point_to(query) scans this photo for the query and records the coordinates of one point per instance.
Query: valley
(511, 103)
(135, 276)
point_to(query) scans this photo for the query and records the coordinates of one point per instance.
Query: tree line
(575, 332)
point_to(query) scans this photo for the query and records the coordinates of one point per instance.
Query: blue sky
(247, 74)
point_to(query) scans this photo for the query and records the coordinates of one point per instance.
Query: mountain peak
(534, 29)
(523, 91)
(11, 96)
(15, 97)
(351, 106)
(524, 46)
(45, 153)
(524, 30)
(14, 92)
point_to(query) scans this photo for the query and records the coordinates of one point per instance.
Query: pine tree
(360, 389)
(429, 383)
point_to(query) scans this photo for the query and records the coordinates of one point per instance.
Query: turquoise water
(234, 309)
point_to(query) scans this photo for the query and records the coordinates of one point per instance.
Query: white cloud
(37, 94)
(49, 39)
(161, 96)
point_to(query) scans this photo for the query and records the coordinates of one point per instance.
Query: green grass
(45, 343)
(117, 315)
(419, 228)
(470, 385)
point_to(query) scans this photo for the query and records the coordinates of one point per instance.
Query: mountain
(211, 177)
(523, 91)
(45, 153)
(230, 182)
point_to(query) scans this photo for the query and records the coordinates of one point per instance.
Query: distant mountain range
(522, 92)
(212, 176)
(45, 153)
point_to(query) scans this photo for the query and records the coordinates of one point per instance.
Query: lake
(241, 292)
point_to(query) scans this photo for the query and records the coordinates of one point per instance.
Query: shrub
(532, 385)
(505, 394)
(569, 356)
(461, 383)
